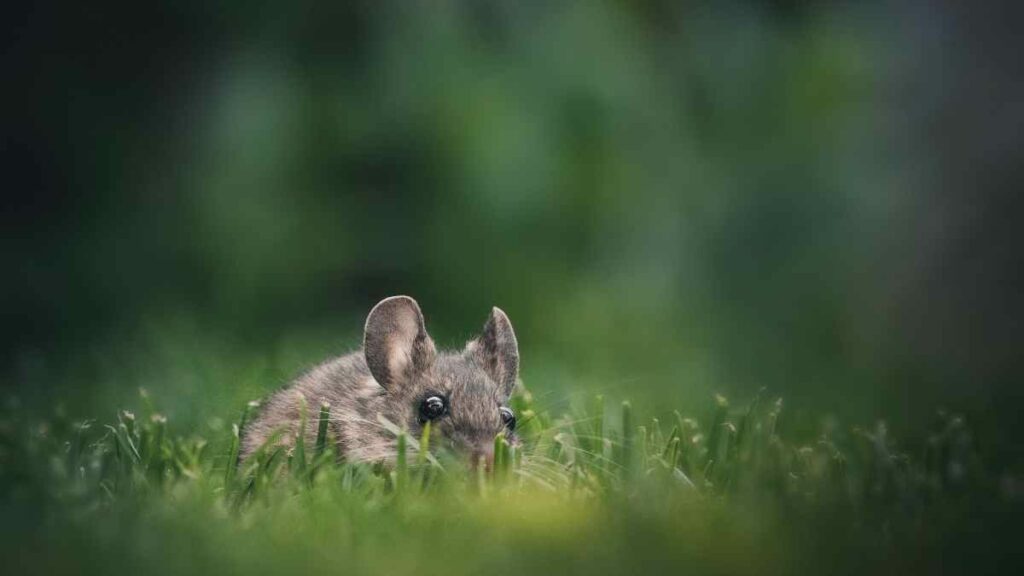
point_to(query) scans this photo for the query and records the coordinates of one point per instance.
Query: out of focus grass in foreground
(598, 489)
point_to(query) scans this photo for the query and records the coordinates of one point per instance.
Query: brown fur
(388, 378)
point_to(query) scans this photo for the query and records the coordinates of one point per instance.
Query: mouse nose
(482, 455)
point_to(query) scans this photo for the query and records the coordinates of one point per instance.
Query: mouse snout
(482, 455)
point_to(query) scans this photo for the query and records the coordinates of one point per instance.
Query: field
(759, 257)
(597, 489)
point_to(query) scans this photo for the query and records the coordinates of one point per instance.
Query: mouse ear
(497, 351)
(396, 343)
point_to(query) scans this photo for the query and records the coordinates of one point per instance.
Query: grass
(596, 490)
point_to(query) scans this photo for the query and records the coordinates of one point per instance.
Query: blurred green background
(669, 199)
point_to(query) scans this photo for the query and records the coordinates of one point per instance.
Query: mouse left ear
(497, 351)
(395, 342)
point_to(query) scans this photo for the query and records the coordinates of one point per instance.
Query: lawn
(594, 489)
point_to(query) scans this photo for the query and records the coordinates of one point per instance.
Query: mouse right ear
(496, 350)
(396, 343)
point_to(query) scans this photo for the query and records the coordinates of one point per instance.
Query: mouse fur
(390, 377)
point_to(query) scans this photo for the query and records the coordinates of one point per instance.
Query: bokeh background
(670, 199)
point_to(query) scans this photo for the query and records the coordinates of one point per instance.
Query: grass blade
(321, 430)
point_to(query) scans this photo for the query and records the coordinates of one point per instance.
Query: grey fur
(389, 377)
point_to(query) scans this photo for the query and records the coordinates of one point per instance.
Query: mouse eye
(508, 417)
(432, 408)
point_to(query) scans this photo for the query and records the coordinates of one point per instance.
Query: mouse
(400, 376)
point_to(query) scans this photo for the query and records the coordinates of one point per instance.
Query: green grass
(596, 490)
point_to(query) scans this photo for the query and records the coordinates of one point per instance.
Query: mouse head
(463, 394)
